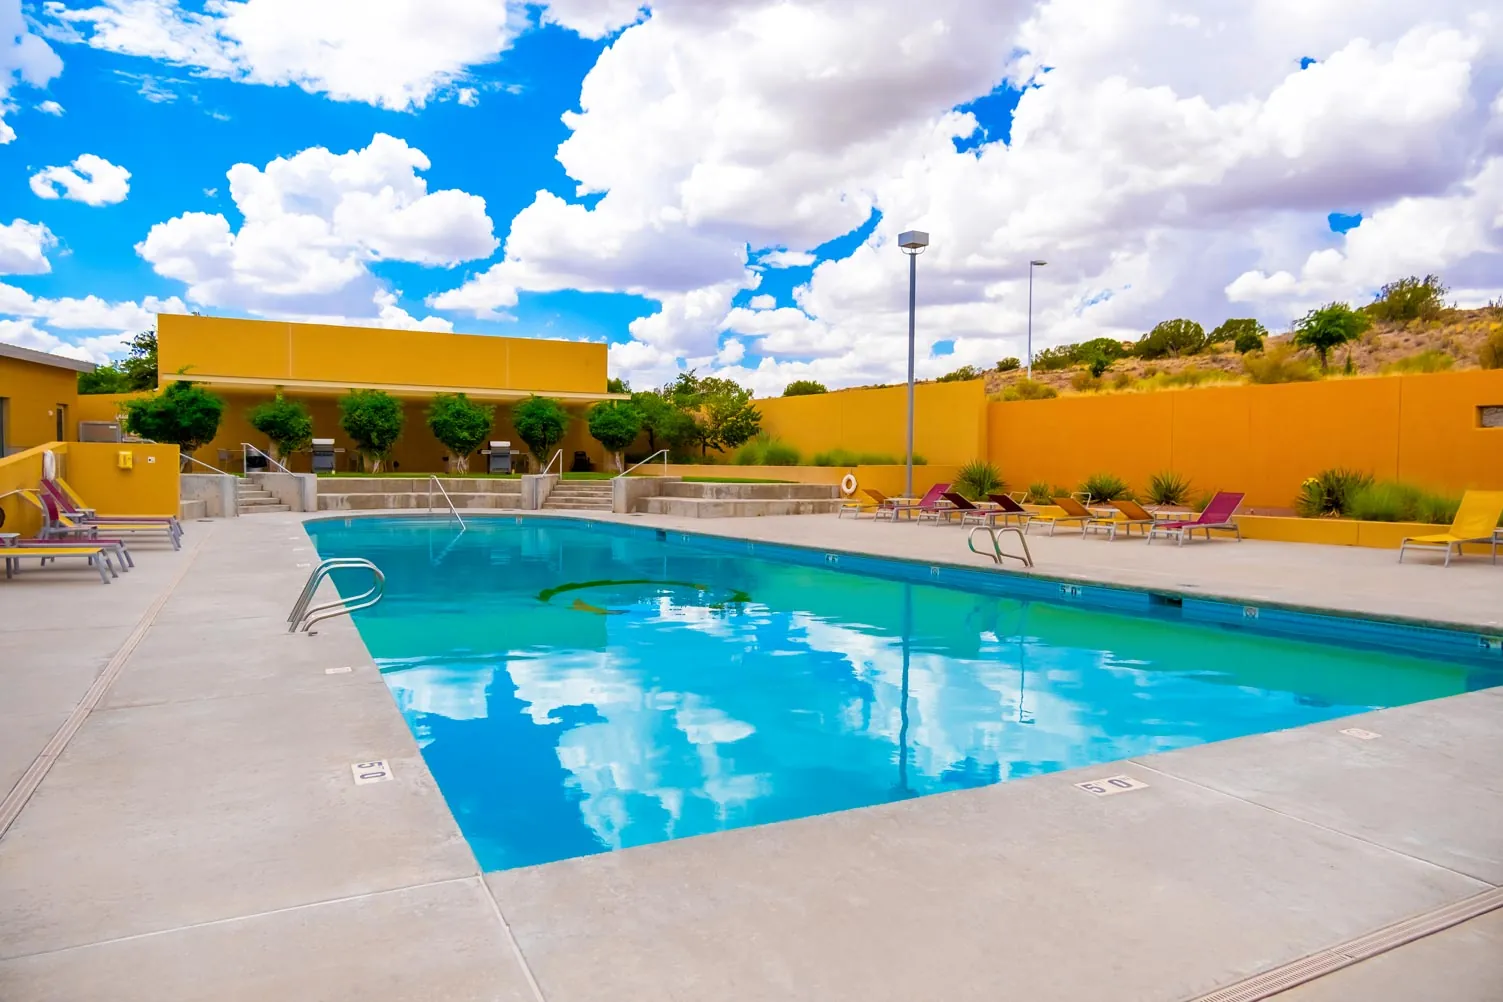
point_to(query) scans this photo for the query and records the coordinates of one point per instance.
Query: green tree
(185, 414)
(617, 386)
(804, 388)
(1097, 362)
(1238, 330)
(1050, 359)
(1331, 326)
(136, 371)
(104, 379)
(1108, 347)
(1173, 338)
(541, 421)
(665, 424)
(964, 374)
(721, 411)
(286, 423)
(1409, 298)
(460, 425)
(1009, 364)
(373, 420)
(615, 424)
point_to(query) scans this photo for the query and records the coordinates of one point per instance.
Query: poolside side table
(9, 538)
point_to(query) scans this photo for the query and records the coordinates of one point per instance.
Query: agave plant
(1330, 492)
(978, 478)
(1168, 488)
(1040, 493)
(1106, 487)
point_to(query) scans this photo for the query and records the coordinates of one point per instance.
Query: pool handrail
(246, 449)
(432, 480)
(655, 455)
(302, 618)
(997, 553)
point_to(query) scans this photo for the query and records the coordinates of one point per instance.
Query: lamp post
(913, 243)
(1031, 265)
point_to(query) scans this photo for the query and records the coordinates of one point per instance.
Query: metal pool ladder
(302, 617)
(994, 532)
(434, 481)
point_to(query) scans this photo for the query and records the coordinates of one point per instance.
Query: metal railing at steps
(559, 455)
(246, 449)
(996, 553)
(434, 481)
(655, 455)
(302, 618)
(206, 466)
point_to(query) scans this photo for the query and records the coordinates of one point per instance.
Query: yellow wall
(148, 487)
(275, 351)
(948, 426)
(887, 479)
(105, 406)
(1263, 440)
(22, 471)
(34, 391)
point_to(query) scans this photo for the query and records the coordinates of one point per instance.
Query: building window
(1490, 417)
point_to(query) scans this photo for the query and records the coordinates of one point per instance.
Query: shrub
(1085, 381)
(1331, 326)
(1122, 381)
(1202, 500)
(846, 457)
(1009, 364)
(286, 423)
(1248, 341)
(1330, 492)
(1437, 509)
(1235, 330)
(1052, 359)
(1409, 298)
(764, 450)
(1173, 338)
(1097, 363)
(1278, 364)
(1029, 389)
(1385, 502)
(964, 374)
(804, 388)
(185, 415)
(462, 426)
(1168, 487)
(1106, 487)
(373, 420)
(1490, 356)
(1041, 493)
(1429, 360)
(540, 423)
(978, 478)
(615, 424)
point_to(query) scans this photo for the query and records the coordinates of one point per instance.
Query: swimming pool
(578, 687)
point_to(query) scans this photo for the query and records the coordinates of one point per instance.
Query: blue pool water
(578, 689)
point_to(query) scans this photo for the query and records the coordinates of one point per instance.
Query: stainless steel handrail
(206, 466)
(247, 447)
(432, 480)
(559, 455)
(302, 618)
(997, 553)
(655, 455)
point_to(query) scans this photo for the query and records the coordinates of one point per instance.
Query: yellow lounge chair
(97, 556)
(1476, 522)
(1074, 511)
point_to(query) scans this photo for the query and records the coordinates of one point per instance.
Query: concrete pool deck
(201, 836)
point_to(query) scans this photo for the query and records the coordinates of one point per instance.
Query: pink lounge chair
(69, 505)
(930, 502)
(1218, 515)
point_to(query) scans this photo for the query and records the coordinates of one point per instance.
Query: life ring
(848, 484)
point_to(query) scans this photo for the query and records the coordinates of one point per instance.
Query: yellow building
(38, 398)
(247, 362)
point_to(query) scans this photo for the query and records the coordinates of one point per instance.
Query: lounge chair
(70, 504)
(1133, 515)
(1008, 509)
(1476, 521)
(98, 557)
(969, 512)
(1217, 515)
(876, 500)
(928, 503)
(1074, 511)
(116, 547)
(58, 525)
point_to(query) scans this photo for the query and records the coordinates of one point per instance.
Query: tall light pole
(913, 243)
(1031, 265)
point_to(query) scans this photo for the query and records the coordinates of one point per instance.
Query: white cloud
(122, 320)
(24, 58)
(90, 179)
(26, 334)
(50, 108)
(468, 96)
(594, 18)
(313, 223)
(787, 259)
(391, 53)
(23, 248)
(763, 302)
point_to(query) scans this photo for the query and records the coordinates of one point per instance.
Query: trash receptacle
(582, 462)
(500, 457)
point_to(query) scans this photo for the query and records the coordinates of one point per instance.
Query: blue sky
(717, 185)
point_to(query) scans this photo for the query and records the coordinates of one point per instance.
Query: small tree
(1009, 364)
(541, 421)
(1331, 326)
(804, 388)
(460, 426)
(664, 423)
(721, 413)
(1097, 362)
(613, 385)
(104, 379)
(140, 366)
(373, 420)
(185, 414)
(1239, 331)
(1409, 298)
(964, 374)
(286, 423)
(615, 425)
(1173, 338)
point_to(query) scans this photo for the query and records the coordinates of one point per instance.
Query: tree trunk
(620, 461)
(461, 464)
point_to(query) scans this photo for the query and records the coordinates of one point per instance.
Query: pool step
(580, 495)
(251, 500)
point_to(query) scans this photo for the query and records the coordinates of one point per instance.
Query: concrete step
(752, 492)
(722, 508)
(256, 502)
(262, 509)
(551, 505)
(366, 501)
(417, 485)
(245, 497)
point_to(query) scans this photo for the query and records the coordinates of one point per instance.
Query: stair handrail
(206, 466)
(246, 447)
(559, 455)
(997, 553)
(302, 618)
(655, 455)
(432, 480)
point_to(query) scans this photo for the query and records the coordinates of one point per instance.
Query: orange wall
(215, 346)
(948, 426)
(1263, 440)
(149, 487)
(33, 392)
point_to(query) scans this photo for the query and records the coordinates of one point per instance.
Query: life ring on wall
(848, 484)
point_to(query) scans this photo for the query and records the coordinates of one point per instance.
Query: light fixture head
(913, 241)
(1039, 264)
